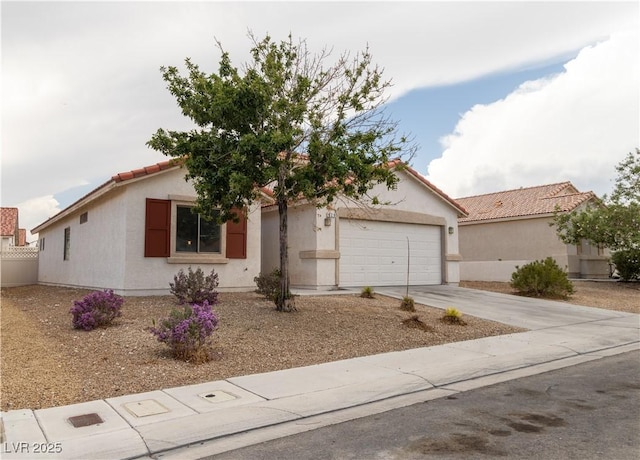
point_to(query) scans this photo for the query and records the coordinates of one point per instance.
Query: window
(173, 231)
(67, 242)
(84, 217)
(195, 234)
(42, 244)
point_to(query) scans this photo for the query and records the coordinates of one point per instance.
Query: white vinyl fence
(18, 266)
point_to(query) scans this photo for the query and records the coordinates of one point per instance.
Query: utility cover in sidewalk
(85, 420)
(217, 396)
(145, 408)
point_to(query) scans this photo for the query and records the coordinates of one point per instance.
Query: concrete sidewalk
(199, 420)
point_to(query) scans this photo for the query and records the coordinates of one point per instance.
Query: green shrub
(269, 284)
(408, 304)
(542, 278)
(194, 287)
(453, 315)
(627, 263)
(367, 292)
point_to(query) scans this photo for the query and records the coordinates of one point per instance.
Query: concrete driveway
(519, 311)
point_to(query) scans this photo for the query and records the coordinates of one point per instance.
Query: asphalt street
(587, 411)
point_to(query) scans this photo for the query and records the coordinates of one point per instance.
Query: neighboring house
(12, 235)
(511, 228)
(133, 233)
(357, 244)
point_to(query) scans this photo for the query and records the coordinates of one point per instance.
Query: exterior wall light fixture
(328, 218)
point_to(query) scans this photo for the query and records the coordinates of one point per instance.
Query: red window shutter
(237, 236)
(157, 229)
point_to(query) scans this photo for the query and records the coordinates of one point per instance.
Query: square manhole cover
(217, 396)
(146, 408)
(85, 420)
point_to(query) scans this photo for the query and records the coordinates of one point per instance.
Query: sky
(497, 95)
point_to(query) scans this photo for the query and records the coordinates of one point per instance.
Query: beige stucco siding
(491, 251)
(151, 274)
(510, 240)
(108, 250)
(314, 245)
(96, 250)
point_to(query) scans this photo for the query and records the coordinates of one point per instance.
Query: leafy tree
(289, 119)
(614, 222)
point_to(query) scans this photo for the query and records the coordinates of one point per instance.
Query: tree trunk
(284, 301)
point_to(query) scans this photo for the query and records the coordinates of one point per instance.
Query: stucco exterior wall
(525, 239)
(492, 250)
(96, 249)
(108, 250)
(152, 275)
(313, 244)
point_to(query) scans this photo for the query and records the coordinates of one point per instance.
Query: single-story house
(10, 232)
(353, 244)
(134, 232)
(512, 228)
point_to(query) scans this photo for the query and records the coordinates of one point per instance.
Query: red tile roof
(115, 180)
(531, 201)
(145, 171)
(8, 221)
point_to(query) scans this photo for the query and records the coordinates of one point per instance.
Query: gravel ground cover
(44, 362)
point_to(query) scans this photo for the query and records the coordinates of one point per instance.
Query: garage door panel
(375, 253)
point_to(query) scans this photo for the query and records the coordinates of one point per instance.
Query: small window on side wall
(67, 242)
(84, 217)
(42, 244)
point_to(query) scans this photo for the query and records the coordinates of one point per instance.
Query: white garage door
(374, 253)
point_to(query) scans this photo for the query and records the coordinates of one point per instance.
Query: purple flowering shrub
(187, 331)
(96, 309)
(194, 287)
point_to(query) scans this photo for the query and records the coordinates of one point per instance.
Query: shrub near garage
(542, 278)
(96, 309)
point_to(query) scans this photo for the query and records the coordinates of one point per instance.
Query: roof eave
(93, 195)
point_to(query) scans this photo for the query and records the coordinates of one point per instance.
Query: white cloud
(82, 92)
(35, 211)
(575, 126)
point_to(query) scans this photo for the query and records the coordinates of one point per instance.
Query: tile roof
(114, 181)
(8, 221)
(530, 201)
(145, 171)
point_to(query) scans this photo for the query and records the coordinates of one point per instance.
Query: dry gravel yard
(46, 363)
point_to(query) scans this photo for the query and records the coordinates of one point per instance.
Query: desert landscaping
(45, 362)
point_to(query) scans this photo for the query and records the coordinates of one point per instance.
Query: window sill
(197, 259)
